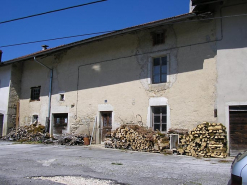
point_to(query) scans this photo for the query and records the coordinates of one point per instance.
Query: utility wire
(31, 42)
(52, 11)
(169, 23)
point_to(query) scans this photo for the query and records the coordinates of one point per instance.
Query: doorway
(106, 125)
(1, 124)
(238, 129)
(60, 122)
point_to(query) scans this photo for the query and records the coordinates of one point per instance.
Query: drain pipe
(47, 124)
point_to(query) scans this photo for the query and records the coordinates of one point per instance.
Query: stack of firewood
(33, 132)
(206, 140)
(137, 138)
(36, 133)
(69, 139)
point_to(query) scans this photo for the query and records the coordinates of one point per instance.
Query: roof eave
(115, 33)
(196, 3)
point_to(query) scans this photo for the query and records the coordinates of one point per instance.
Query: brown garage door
(238, 129)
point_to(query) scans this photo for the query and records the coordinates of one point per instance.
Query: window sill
(160, 86)
(154, 45)
(162, 132)
(159, 83)
(34, 100)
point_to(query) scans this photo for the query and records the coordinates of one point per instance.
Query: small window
(35, 119)
(159, 73)
(62, 97)
(158, 38)
(159, 118)
(35, 93)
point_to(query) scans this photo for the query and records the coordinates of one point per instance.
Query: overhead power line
(52, 11)
(168, 23)
(59, 38)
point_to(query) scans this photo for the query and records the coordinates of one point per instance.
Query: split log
(206, 140)
(138, 138)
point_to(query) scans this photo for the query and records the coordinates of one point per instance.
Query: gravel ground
(27, 164)
(70, 180)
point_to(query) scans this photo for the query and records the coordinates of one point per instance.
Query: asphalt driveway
(26, 164)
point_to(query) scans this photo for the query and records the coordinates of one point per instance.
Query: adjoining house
(4, 91)
(10, 78)
(171, 73)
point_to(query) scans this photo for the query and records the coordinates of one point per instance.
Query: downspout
(47, 124)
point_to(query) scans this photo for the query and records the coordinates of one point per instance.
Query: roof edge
(104, 36)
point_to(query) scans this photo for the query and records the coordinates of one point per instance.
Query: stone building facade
(160, 75)
(171, 73)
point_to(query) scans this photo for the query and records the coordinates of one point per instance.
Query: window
(159, 70)
(159, 118)
(35, 93)
(35, 118)
(62, 97)
(158, 38)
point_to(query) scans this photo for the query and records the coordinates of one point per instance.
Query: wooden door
(106, 123)
(238, 129)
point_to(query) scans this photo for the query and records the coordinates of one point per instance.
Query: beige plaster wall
(231, 61)
(118, 70)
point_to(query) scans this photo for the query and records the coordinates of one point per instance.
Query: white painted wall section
(5, 74)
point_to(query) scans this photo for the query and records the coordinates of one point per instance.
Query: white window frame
(150, 67)
(160, 116)
(158, 101)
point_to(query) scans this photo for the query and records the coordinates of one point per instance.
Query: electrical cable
(52, 11)
(32, 42)
(204, 19)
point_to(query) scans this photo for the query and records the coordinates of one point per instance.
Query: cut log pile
(137, 138)
(206, 140)
(34, 132)
(70, 139)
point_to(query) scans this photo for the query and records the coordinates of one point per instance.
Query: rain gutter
(47, 124)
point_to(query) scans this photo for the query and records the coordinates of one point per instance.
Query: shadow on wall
(5, 72)
(117, 71)
(234, 29)
(113, 70)
(114, 64)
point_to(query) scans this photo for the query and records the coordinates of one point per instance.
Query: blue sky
(105, 16)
